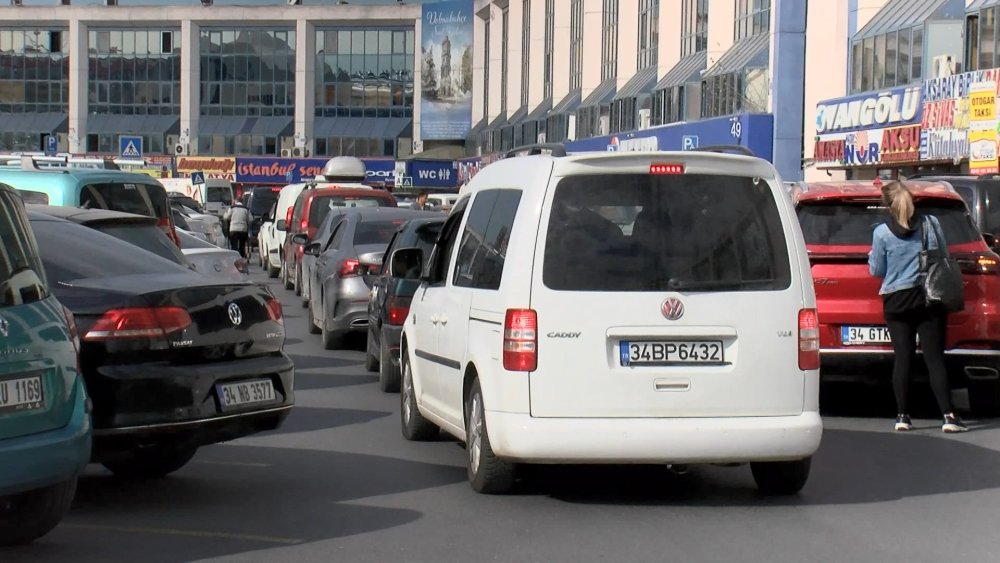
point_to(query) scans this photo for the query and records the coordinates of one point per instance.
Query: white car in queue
(617, 308)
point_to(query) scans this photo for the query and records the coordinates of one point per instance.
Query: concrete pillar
(721, 28)
(495, 61)
(478, 65)
(826, 77)
(77, 86)
(561, 52)
(862, 12)
(305, 84)
(628, 40)
(670, 36)
(190, 85)
(418, 26)
(788, 75)
(536, 55)
(515, 32)
(593, 18)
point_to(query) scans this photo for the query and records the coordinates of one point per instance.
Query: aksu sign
(874, 110)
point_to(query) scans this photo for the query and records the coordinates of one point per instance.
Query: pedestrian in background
(895, 257)
(421, 203)
(238, 217)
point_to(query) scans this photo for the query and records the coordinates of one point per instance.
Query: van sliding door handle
(435, 319)
(443, 320)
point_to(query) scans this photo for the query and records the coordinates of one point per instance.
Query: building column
(305, 85)
(628, 40)
(722, 29)
(478, 68)
(495, 57)
(788, 74)
(78, 87)
(669, 36)
(560, 51)
(418, 77)
(190, 85)
(515, 31)
(826, 77)
(593, 40)
(536, 55)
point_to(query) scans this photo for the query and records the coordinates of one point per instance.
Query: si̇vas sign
(874, 110)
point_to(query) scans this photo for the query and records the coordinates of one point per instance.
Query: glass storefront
(34, 84)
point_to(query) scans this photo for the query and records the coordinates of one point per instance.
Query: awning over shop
(641, 83)
(473, 135)
(363, 127)
(229, 125)
(33, 122)
(108, 123)
(518, 116)
(541, 111)
(977, 5)
(749, 52)
(903, 14)
(498, 122)
(568, 104)
(603, 94)
(686, 70)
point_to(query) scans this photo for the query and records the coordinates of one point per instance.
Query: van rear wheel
(781, 477)
(488, 473)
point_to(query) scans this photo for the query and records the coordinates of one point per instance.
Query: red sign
(901, 144)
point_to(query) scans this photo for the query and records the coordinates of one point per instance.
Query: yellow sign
(982, 105)
(983, 128)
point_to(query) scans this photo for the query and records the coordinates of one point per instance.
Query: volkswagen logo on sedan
(235, 314)
(4, 327)
(672, 309)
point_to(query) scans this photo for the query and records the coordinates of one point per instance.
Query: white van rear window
(687, 232)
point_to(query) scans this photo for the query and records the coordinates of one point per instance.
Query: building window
(250, 72)
(486, 67)
(525, 50)
(34, 71)
(355, 146)
(735, 92)
(576, 44)
(609, 40)
(694, 27)
(987, 39)
(752, 17)
(134, 72)
(649, 33)
(972, 42)
(550, 23)
(504, 58)
(917, 54)
(368, 72)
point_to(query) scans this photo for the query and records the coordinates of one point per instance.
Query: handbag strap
(925, 227)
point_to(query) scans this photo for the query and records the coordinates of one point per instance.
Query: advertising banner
(872, 110)
(433, 173)
(983, 128)
(218, 167)
(446, 70)
(869, 129)
(947, 119)
(275, 170)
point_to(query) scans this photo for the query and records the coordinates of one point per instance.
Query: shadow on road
(234, 500)
(308, 419)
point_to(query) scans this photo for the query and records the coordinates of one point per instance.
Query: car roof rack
(555, 149)
(738, 149)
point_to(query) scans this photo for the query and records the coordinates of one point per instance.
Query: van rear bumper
(521, 437)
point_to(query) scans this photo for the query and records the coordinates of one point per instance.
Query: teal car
(92, 188)
(45, 428)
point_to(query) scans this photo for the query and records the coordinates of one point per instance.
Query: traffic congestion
(624, 328)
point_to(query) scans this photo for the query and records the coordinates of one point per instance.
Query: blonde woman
(895, 257)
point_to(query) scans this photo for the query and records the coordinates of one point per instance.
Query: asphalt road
(339, 483)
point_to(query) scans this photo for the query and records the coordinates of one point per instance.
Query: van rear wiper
(675, 284)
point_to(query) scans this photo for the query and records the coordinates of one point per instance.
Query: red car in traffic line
(837, 220)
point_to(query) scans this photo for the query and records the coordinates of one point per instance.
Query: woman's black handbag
(942, 276)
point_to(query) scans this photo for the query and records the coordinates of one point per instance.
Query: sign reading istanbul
(873, 110)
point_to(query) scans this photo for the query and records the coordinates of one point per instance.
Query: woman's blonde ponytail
(897, 197)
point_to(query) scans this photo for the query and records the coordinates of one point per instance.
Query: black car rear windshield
(375, 232)
(641, 232)
(850, 223)
(22, 279)
(141, 199)
(71, 252)
(146, 237)
(322, 205)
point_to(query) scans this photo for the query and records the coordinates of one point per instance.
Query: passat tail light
(168, 229)
(350, 268)
(520, 340)
(138, 322)
(808, 339)
(398, 309)
(274, 311)
(982, 263)
(666, 169)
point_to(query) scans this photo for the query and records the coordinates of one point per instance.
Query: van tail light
(138, 322)
(520, 340)
(168, 229)
(350, 268)
(982, 263)
(808, 339)
(662, 169)
(398, 308)
(274, 311)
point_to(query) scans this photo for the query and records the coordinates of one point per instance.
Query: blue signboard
(130, 146)
(433, 173)
(446, 69)
(274, 170)
(197, 178)
(51, 145)
(894, 107)
(754, 131)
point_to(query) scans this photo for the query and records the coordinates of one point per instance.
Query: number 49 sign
(736, 127)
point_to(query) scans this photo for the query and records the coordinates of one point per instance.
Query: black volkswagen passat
(172, 360)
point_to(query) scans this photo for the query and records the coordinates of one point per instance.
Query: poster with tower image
(446, 70)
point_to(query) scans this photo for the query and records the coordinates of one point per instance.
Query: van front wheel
(781, 477)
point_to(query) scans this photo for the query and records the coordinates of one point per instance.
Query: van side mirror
(281, 225)
(312, 249)
(406, 263)
(300, 238)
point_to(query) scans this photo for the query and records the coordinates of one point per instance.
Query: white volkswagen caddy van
(617, 308)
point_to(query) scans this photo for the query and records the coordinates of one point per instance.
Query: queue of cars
(123, 341)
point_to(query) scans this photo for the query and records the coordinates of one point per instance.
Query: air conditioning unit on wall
(942, 66)
(180, 149)
(645, 118)
(300, 152)
(286, 153)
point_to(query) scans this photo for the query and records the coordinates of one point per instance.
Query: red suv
(305, 217)
(837, 220)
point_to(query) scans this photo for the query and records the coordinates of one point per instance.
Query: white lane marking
(233, 463)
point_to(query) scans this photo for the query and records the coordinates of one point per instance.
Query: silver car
(347, 262)
(212, 261)
(208, 226)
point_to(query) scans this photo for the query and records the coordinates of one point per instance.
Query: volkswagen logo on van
(4, 327)
(235, 314)
(672, 309)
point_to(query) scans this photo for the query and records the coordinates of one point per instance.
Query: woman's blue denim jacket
(897, 260)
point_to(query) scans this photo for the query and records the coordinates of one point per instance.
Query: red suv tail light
(983, 263)
(398, 308)
(138, 322)
(350, 268)
(274, 311)
(808, 339)
(520, 340)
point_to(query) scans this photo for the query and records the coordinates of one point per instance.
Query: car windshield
(220, 195)
(22, 279)
(322, 205)
(147, 237)
(852, 223)
(642, 232)
(128, 197)
(375, 232)
(71, 252)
